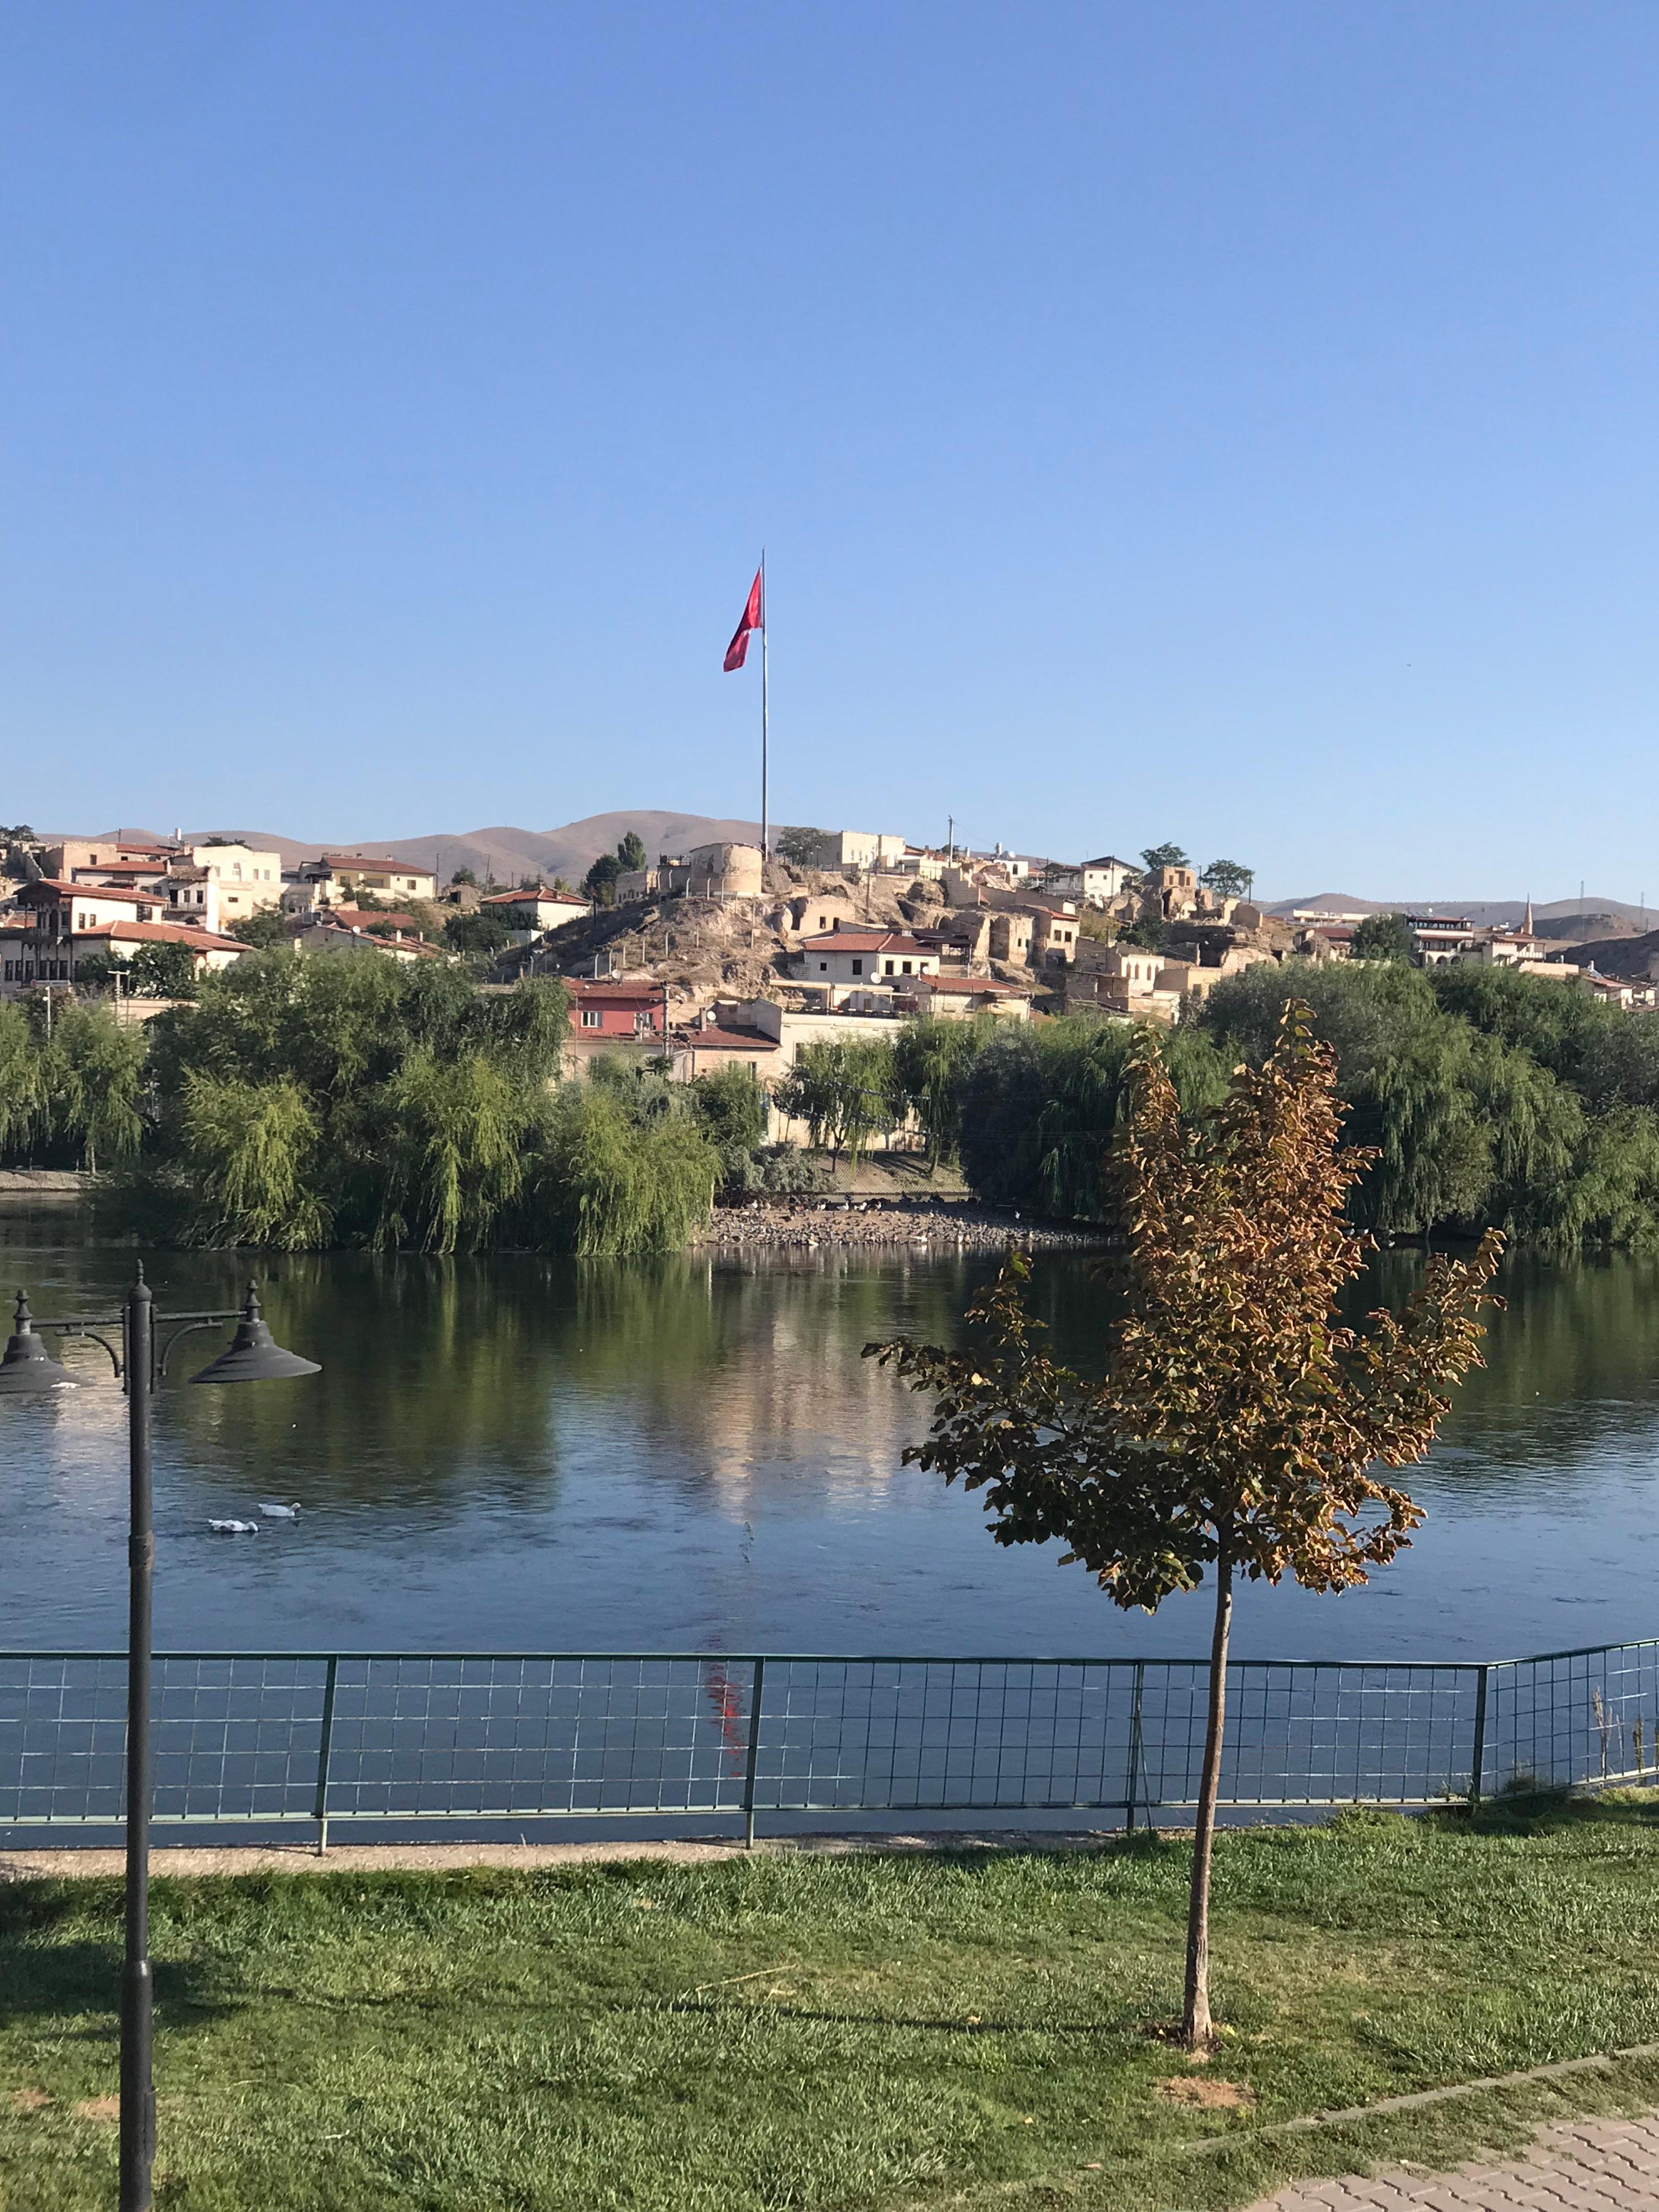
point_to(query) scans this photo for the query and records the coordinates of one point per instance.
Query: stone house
(707, 872)
(1011, 937)
(859, 850)
(339, 879)
(1053, 935)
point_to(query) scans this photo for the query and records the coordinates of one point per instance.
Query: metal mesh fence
(394, 1737)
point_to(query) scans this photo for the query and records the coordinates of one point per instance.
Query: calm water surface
(527, 1453)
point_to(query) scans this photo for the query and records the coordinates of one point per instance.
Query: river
(548, 1455)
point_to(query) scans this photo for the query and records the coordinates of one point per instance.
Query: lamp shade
(254, 1355)
(25, 1367)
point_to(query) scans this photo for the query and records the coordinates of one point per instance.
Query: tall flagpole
(765, 732)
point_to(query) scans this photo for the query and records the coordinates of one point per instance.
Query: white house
(246, 878)
(64, 923)
(336, 878)
(859, 848)
(537, 909)
(865, 956)
(1102, 880)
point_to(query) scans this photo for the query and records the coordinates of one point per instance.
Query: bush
(781, 1171)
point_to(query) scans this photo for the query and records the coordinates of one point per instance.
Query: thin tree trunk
(1196, 2027)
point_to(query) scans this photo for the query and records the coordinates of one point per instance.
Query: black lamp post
(28, 1370)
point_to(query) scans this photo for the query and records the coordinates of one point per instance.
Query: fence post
(1478, 1757)
(325, 1737)
(1134, 1745)
(754, 1755)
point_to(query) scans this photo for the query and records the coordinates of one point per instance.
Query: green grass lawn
(827, 2032)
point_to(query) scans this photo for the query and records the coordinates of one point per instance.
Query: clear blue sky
(1228, 422)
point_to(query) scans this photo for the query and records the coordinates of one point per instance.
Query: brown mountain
(504, 853)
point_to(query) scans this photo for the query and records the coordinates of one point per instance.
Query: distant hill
(506, 853)
(1593, 912)
(1632, 957)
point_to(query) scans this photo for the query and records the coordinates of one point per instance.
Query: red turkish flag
(754, 618)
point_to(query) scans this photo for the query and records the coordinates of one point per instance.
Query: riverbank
(941, 1225)
(44, 1182)
(886, 2029)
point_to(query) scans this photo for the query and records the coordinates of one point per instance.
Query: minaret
(1526, 926)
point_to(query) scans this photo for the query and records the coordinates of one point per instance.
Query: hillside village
(716, 955)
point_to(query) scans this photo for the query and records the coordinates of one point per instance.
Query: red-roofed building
(865, 956)
(536, 909)
(65, 923)
(609, 1011)
(336, 880)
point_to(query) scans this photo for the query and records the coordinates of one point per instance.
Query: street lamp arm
(92, 1325)
(195, 1321)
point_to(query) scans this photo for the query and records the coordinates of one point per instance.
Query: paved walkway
(1581, 2166)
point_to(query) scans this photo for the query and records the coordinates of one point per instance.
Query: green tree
(452, 1133)
(22, 1083)
(358, 1100)
(1041, 1108)
(252, 1150)
(1560, 1026)
(599, 883)
(265, 931)
(845, 1091)
(604, 1182)
(1149, 931)
(465, 876)
(97, 971)
(91, 1072)
(1228, 878)
(477, 933)
(630, 851)
(163, 970)
(1383, 936)
(1164, 856)
(799, 845)
(931, 1058)
(732, 1111)
(1240, 1422)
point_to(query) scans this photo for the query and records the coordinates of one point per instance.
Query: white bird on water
(234, 1527)
(282, 1512)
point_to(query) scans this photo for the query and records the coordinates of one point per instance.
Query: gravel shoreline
(815, 1225)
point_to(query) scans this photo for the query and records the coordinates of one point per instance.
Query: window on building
(907, 968)
(858, 967)
(890, 968)
(592, 1017)
(824, 967)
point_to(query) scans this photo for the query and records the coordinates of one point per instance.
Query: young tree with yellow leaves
(1241, 1423)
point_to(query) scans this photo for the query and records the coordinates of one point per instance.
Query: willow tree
(252, 1154)
(93, 1072)
(844, 1091)
(602, 1182)
(22, 1087)
(1239, 1424)
(932, 1057)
